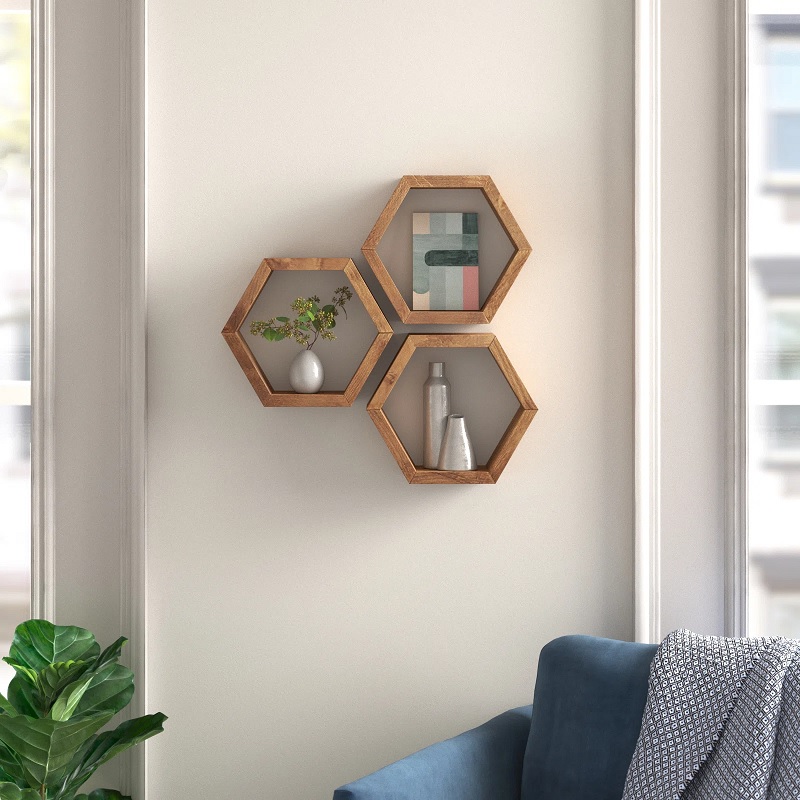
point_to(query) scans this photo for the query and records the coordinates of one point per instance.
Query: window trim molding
(43, 310)
(133, 328)
(736, 567)
(647, 335)
(133, 365)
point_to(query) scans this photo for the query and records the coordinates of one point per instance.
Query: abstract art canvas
(445, 247)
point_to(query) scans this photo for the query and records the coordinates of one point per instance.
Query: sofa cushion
(587, 713)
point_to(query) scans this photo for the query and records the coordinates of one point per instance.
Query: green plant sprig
(66, 689)
(311, 322)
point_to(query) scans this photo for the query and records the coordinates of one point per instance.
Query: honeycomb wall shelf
(252, 369)
(521, 249)
(491, 471)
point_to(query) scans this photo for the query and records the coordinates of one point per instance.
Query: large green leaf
(110, 655)
(10, 791)
(5, 777)
(25, 698)
(65, 706)
(44, 748)
(10, 768)
(103, 794)
(105, 746)
(110, 689)
(46, 684)
(6, 707)
(23, 671)
(55, 677)
(38, 643)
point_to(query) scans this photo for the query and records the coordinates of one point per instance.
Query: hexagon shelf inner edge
(252, 369)
(507, 444)
(504, 216)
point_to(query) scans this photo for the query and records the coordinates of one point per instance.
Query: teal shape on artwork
(454, 289)
(438, 282)
(469, 223)
(451, 258)
(421, 279)
(469, 241)
(438, 222)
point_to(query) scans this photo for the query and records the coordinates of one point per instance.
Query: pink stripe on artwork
(471, 302)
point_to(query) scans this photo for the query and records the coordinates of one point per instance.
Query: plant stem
(43, 792)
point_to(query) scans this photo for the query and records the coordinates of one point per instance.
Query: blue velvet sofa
(574, 743)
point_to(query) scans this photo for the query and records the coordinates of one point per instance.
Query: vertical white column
(648, 323)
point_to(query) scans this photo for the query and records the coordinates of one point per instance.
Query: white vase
(456, 453)
(306, 375)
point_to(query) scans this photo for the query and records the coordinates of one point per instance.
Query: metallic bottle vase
(435, 410)
(456, 453)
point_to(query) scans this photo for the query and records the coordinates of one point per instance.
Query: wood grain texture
(523, 417)
(522, 249)
(387, 215)
(252, 369)
(509, 441)
(514, 381)
(311, 264)
(248, 299)
(481, 475)
(396, 447)
(366, 366)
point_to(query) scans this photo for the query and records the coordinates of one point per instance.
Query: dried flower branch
(311, 321)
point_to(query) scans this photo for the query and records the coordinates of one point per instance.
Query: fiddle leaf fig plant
(64, 692)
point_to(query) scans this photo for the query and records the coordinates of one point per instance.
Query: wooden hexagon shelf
(488, 473)
(251, 367)
(506, 219)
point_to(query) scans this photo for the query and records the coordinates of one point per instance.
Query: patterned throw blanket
(721, 722)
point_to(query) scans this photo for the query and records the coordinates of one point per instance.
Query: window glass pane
(15, 481)
(15, 311)
(782, 359)
(784, 146)
(774, 318)
(783, 428)
(783, 75)
(15, 196)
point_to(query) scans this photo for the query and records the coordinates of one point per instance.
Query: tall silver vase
(456, 453)
(435, 410)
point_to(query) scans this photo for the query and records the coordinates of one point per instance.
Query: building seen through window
(15, 323)
(774, 317)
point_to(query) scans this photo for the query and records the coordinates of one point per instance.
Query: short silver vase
(435, 411)
(456, 453)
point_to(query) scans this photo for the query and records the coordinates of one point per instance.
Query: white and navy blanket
(721, 721)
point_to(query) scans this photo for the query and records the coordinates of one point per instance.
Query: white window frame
(652, 532)
(778, 179)
(121, 582)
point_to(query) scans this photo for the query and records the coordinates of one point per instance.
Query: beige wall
(311, 616)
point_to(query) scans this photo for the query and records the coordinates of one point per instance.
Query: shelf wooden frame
(504, 216)
(491, 471)
(252, 369)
